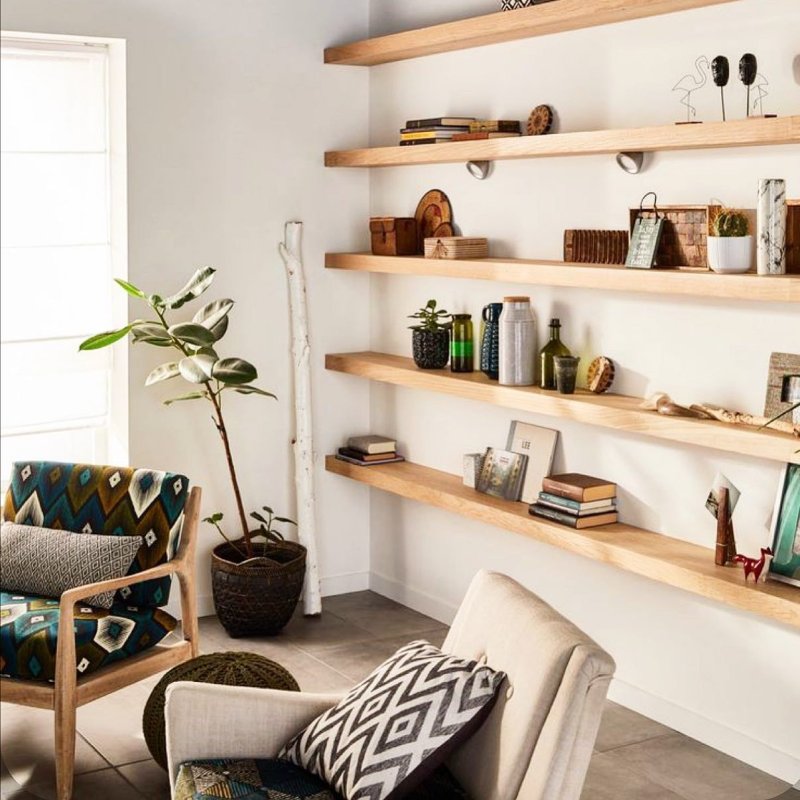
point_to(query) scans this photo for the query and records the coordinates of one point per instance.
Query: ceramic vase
(771, 248)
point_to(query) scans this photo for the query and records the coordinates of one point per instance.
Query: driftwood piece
(302, 443)
(725, 551)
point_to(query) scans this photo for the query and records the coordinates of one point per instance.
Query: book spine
(563, 490)
(551, 513)
(561, 501)
(494, 126)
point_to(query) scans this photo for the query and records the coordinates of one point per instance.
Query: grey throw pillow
(398, 725)
(48, 562)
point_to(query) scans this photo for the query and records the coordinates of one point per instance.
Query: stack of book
(489, 129)
(433, 131)
(368, 451)
(579, 501)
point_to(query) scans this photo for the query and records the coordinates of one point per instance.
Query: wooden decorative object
(540, 121)
(684, 239)
(433, 210)
(793, 237)
(595, 247)
(757, 567)
(393, 236)
(782, 366)
(456, 247)
(445, 229)
(724, 529)
(601, 375)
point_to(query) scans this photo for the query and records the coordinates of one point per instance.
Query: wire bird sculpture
(691, 83)
(760, 86)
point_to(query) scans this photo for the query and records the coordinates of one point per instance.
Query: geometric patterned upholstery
(114, 501)
(29, 631)
(270, 779)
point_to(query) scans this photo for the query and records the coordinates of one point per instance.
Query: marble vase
(771, 242)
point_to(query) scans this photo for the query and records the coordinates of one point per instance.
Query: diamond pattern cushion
(46, 562)
(114, 501)
(278, 780)
(393, 729)
(29, 629)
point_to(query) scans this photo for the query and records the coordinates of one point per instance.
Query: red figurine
(755, 566)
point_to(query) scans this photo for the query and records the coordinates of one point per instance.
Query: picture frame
(785, 565)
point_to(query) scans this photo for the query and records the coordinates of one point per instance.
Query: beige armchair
(535, 745)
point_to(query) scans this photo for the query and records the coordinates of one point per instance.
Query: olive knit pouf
(225, 669)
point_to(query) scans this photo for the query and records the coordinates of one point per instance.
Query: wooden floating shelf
(566, 15)
(655, 556)
(614, 411)
(689, 281)
(751, 132)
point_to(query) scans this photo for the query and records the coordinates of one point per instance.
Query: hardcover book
(359, 456)
(574, 505)
(607, 508)
(361, 463)
(491, 125)
(570, 520)
(473, 137)
(502, 474)
(372, 444)
(461, 122)
(539, 445)
(583, 488)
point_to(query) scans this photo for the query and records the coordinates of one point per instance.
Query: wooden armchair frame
(67, 692)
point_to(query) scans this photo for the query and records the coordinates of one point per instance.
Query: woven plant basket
(225, 669)
(258, 596)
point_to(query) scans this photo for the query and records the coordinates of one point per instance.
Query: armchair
(535, 744)
(120, 646)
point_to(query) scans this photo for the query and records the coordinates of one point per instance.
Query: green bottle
(461, 344)
(555, 347)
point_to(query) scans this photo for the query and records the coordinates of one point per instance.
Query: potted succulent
(256, 584)
(430, 339)
(730, 247)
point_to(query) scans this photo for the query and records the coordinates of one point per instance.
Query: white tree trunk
(303, 444)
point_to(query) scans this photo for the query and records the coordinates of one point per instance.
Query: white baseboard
(727, 740)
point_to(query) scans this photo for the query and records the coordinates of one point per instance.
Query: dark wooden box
(393, 236)
(793, 237)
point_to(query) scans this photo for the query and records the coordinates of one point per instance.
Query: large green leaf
(104, 339)
(152, 333)
(192, 333)
(234, 371)
(190, 396)
(163, 373)
(210, 315)
(197, 369)
(129, 288)
(197, 284)
(253, 390)
(220, 328)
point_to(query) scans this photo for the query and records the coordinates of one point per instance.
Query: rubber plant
(196, 361)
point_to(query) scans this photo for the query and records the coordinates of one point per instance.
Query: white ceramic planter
(730, 253)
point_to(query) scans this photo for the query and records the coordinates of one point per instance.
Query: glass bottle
(555, 347)
(461, 344)
(517, 342)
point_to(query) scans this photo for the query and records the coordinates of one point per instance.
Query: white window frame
(117, 446)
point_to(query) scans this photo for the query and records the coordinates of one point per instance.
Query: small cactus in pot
(730, 246)
(431, 336)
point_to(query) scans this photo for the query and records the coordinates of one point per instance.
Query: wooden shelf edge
(651, 555)
(688, 282)
(614, 411)
(567, 15)
(751, 132)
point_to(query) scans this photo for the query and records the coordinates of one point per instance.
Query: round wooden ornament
(601, 375)
(433, 210)
(540, 121)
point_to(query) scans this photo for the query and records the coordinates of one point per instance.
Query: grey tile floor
(635, 758)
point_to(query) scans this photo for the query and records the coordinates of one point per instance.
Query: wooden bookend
(724, 530)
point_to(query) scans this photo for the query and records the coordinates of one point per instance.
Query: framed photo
(785, 564)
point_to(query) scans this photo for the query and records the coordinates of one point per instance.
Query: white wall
(229, 111)
(723, 676)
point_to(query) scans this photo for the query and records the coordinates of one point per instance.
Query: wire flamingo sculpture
(691, 83)
(760, 87)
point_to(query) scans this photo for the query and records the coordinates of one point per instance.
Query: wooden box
(684, 241)
(595, 247)
(793, 237)
(393, 236)
(456, 247)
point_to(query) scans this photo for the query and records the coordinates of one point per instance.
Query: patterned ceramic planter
(431, 348)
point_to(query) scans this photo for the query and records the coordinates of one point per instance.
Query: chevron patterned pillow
(47, 562)
(398, 725)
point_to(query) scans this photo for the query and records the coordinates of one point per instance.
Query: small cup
(566, 373)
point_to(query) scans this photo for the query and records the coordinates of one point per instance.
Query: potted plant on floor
(430, 339)
(256, 584)
(730, 247)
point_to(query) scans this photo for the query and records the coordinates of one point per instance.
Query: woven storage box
(456, 247)
(595, 247)
(684, 241)
(393, 236)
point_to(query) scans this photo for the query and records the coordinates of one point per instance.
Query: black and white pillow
(48, 562)
(398, 725)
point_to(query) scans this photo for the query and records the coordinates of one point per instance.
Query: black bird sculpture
(721, 73)
(748, 69)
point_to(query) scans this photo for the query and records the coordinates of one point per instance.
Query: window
(63, 230)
